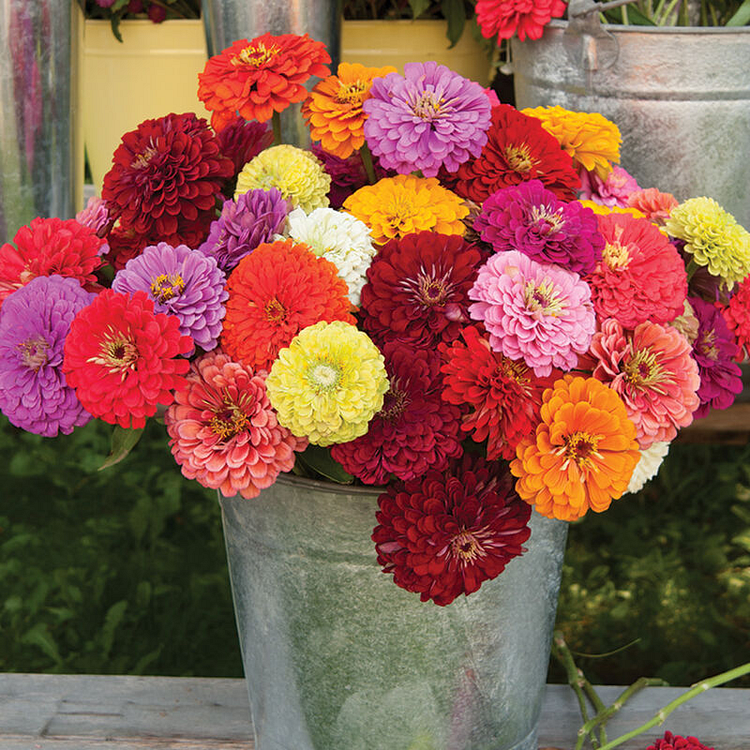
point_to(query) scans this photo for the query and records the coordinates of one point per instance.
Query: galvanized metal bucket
(680, 96)
(337, 657)
(41, 160)
(226, 21)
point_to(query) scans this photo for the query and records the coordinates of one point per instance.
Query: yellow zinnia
(601, 210)
(328, 383)
(404, 204)
(297, 173)
(713, 237)
(583, 453)
(590, 138)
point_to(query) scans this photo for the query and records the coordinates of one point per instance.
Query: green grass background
(123, 571)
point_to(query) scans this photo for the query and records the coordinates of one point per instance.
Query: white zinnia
(339, 238)
(648, 466)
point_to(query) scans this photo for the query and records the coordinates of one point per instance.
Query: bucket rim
(330, 487)
(557, 23)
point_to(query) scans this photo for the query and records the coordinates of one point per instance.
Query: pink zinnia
(653, 372)
(656, 206)
(612, 191)
(223, 430)
(641, 276)
(537, 312)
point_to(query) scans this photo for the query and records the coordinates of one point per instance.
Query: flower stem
(364, 152)
(276, 124)
(692, 267)
(697, 689)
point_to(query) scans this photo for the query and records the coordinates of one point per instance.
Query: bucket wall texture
(680, 96)
(337, 657)
(40, 174)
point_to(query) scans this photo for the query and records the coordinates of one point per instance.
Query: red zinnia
(737, 316)
(257, 78)
(414, 431)
(124, 244)
(417, 289)
(275, 292)
(49, 247)
(504, 395)
(165, 178)
(446, 533)
(518, 148)
(241, 141)
(675, 742)
(506, 17)
(121, 358)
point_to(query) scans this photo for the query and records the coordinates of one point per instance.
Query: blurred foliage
(123, 571)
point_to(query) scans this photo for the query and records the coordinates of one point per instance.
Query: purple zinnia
(529, 218)
(181, 282)
(715, 350)
(34, 324)
(426, 119)
(254, 218)
(242, 140)
(612, 191)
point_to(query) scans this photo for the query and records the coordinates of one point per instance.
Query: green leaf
(123, 441)
(112, 620)
(319, 460)
(742, 16)
(418, 7)
(40, 637)
(455, 15)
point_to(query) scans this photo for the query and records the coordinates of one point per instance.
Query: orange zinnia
(257, 78)
(333, 110)
(583, 453)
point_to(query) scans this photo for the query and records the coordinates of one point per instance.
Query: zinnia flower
(653, 372)
(414, 431)
(95, 215)
(527, 18)
(339, 238)
(712, 238)
(648, 466)
(224, 432)
(254, 218)
(613, 190)
(333, 110)
(259, 77)
(518, 149)
(601, 210)
(164, 180)
(583, 453)
(180, 282)
(590, 138)
(35, 320)
(715, 351)
(242, 141)
(46, 247)
(537, 312)
(417, 289)
(641, 276)
(122, 358)
(396, 206)
(737, 316)
(296, 173)
(504, 395)
(531, 219)
(275, 292)
(328, 383)
(445, 534)
(426, 119)
(675, 742)
(653, 204)
(124, 244)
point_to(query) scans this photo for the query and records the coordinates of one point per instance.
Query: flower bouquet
(457, 311)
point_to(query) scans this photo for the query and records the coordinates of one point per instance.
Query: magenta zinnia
(223, 430)
(446, 533)
(414, 431)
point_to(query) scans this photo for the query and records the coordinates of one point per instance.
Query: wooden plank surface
(88, 712)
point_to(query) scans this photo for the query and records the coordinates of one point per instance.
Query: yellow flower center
(275, 312)
(255, 56)
(117, 353)
(141, 160)
(324, 376)
(543, 299)
(34, 353)
(519, 158)
(427, 106)
(580, 447)
(643, 369)
(548, 221)
(508, 369)
(707, 345)
(351, 93)
(616, 256)
(229, 421)
(166, 286)
(466, 547)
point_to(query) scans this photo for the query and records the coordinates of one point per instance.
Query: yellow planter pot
(151, 73)
(379, 43)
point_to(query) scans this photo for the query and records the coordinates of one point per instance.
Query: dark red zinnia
(675, 742)
(165, 178)
(504, 395)
(417, 289)
(124, 244)
(518, 149)
(446, 533)
(241, 140)
(414, 431)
